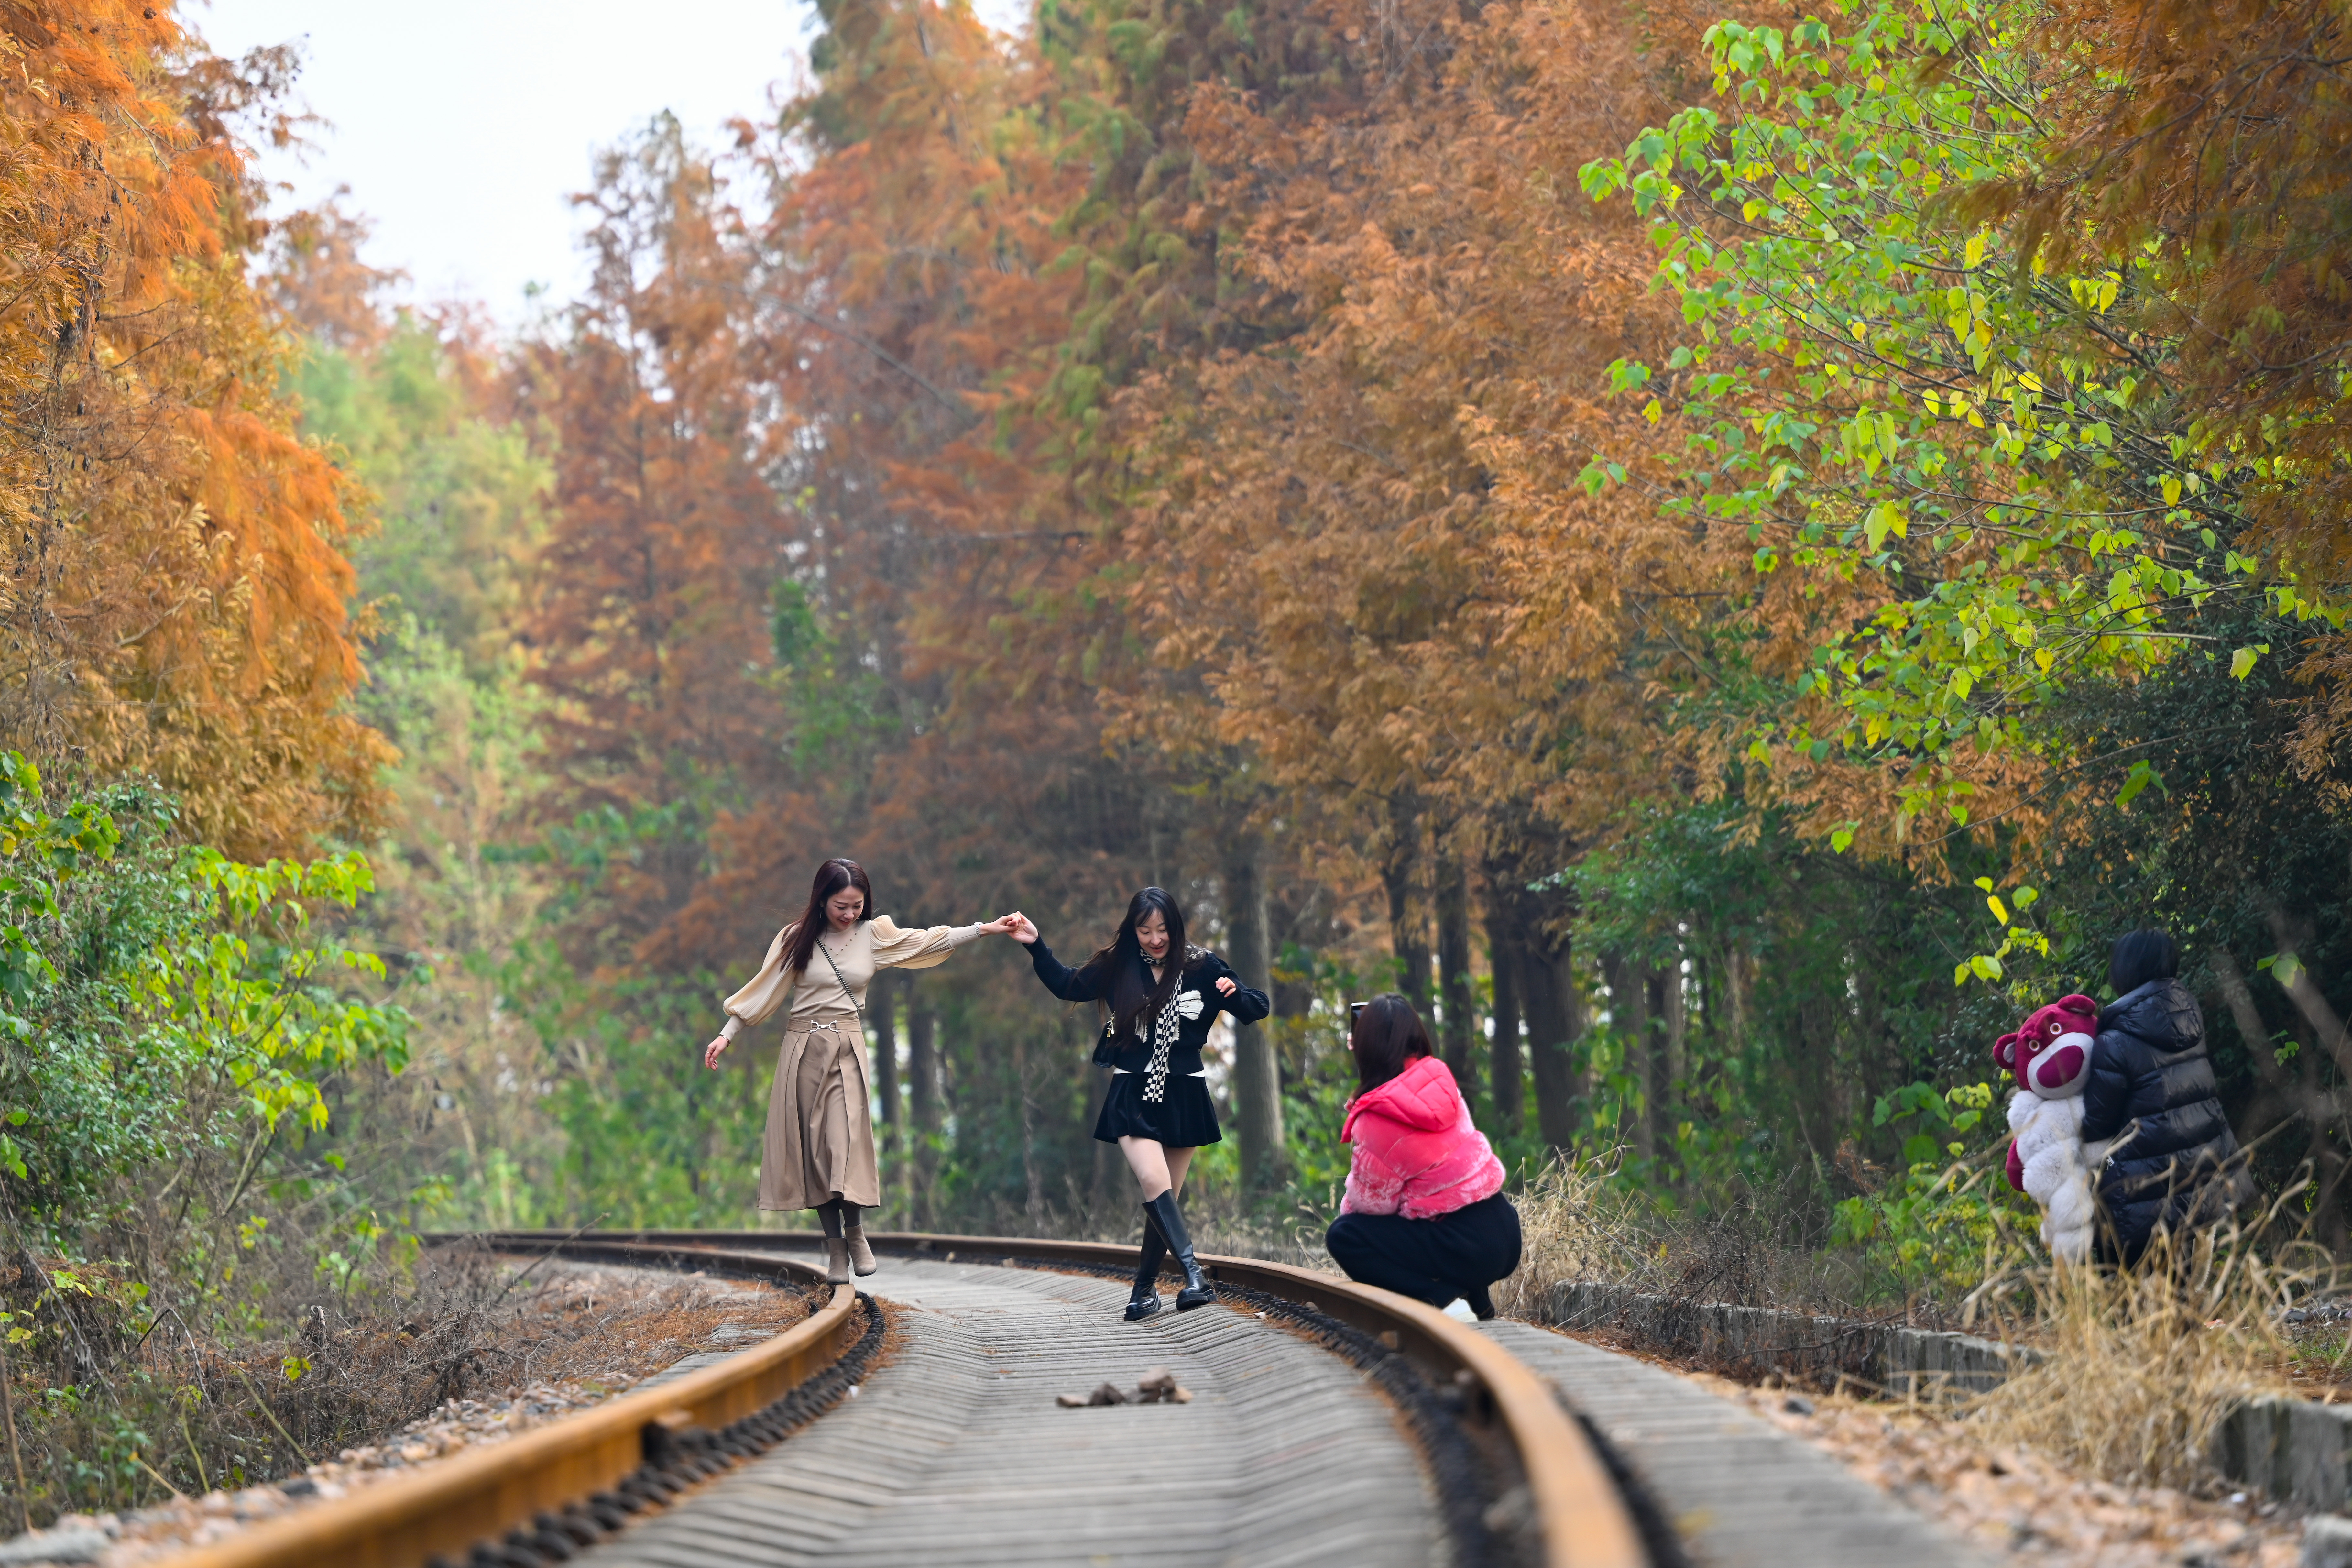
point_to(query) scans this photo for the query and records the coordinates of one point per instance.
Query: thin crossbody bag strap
(844, 983)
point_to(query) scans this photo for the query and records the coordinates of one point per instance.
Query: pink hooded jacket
(1416, 1153)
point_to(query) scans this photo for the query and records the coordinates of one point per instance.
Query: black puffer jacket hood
(2172, 1160)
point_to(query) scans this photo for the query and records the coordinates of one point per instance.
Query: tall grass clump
(1576, 1223)
(2139, 1365)
(1752, 1244)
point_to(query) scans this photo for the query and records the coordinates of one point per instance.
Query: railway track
(1336, 1423)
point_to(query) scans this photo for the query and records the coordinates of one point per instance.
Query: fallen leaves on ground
(2014, 1504)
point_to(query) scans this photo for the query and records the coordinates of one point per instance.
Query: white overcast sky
(462, 127)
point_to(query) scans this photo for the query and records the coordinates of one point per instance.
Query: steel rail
(1581, 1516)
(481, 1493)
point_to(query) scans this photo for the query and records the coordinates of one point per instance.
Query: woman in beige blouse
(819, 1150)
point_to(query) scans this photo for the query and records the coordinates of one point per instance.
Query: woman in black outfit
(2170, 1161)
(1163, 996)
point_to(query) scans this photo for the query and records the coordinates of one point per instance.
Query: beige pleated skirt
(820, 1136)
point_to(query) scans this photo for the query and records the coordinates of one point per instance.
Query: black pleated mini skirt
(1183, 1118)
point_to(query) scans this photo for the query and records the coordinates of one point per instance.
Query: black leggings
(833, 1212)
(1432, 1260)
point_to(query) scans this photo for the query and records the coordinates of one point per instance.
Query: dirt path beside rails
(2012, 1504)
(580, 1334)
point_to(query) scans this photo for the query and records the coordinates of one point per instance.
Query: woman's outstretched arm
(919, 947)
(1069, 984)
(759, 999)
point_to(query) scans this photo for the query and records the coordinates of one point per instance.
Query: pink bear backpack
(2051, 1059)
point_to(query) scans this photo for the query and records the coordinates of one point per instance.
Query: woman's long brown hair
(831, 877)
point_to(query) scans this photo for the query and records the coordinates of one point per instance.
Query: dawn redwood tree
(651, 608)
(175, 597)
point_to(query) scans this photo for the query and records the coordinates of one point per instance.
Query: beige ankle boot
(836, 1261)
(861, 1256)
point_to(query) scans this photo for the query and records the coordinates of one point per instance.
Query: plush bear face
(2051, 1055)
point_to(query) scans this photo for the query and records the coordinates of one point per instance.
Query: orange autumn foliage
(1392, 579)
(175, 600)
(1239, 389)
(653, 583)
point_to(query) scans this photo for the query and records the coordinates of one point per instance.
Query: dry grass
(2141, 1364)
(1575, 1225)
(563, 1339)
(1751, 1247)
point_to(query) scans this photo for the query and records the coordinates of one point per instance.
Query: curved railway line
(1334, 1422)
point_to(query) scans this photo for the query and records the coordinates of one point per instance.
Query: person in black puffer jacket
(2171, 1160)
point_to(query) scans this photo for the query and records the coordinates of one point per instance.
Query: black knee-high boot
(1144, 1300)
(1171, 1220)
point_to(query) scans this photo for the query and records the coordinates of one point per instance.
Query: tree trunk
(1548, 991)
(2286, 1096)
(1294, 996)
(1629, 1019)
(1736, 971)
(923, 1101)
(1535, 925)
(881, 1012)
(1506, 1066)
(1674, 1013)
(1408, 933)
(1457, 1011)
(1257, 1076)
(1814, 1073)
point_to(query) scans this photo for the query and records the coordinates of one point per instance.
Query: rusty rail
(483, 1493)
(1582, 1517)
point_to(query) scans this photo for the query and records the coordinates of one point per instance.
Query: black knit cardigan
(1202, 970)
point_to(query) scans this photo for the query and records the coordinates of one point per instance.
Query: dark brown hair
(831, 877)
(1123, 958)
(1387, 1037)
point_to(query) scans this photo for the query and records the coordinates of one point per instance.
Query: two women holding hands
(1162, 996)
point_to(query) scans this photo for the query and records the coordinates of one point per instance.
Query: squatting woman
(819, 1149)
(1425, 1212)
(1162, 996)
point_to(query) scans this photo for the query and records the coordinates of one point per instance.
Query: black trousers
(1432, 1261)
